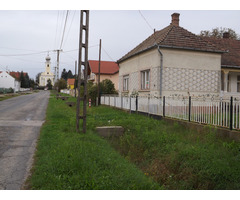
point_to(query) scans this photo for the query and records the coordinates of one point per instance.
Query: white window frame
(238, 83)
(145, 79)
(126, 83)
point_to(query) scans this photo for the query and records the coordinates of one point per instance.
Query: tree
(64, 74)
(218, 33)
(38, 77)
(69, 74)
(49, 84)
(60, 84)
(106, 87)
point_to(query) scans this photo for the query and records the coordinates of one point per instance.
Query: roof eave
(171, 47)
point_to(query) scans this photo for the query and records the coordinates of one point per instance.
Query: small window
(125, 82)
(238, 83)
(145, 80)
(47, 72)
(48, 65)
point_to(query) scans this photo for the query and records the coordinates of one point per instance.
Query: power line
(70, 27)
(145, 20)
(56, 31)
(64, 29)
(27, 54)
(107, 54)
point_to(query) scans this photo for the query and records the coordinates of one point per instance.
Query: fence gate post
(231, 114)
(163, 106)
(189, 109)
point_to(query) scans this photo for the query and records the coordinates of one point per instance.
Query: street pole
(99, 64)
(75, 85)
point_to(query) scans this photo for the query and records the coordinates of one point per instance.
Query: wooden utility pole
(84, 29)
(57, 68)
(75, 88)
(99, 65)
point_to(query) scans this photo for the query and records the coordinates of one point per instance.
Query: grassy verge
(4, 97)
(175, 158)
(67, 160)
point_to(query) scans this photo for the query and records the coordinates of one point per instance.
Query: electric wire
(69, 28)
(108, 54)
(64, 29)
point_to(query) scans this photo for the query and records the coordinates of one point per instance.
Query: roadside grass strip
(151, 154)
(66, 160)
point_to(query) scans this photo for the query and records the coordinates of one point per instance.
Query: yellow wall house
(172, 62)
(70, 83)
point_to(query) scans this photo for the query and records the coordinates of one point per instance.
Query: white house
(45, 76)
(170, 62)
(7, 81)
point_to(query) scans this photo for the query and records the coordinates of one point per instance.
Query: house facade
(230, 65)
(172, 61)
(7, 81)
(45, 76)
(108, 70)
(70, 83)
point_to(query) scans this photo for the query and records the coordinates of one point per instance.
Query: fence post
(130, 110)
(163, 106)
(136, 103)
(189, 109)
(231, 114)
(109, 100)
(121, 102)
(148, 105)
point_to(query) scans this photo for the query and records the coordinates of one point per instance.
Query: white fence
(219, 112)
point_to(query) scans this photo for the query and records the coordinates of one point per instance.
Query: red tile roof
(17, 74)
(232, 58)
(106, 67)
(70, 81)
(173, 36)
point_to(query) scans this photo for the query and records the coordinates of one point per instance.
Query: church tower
(47, 74)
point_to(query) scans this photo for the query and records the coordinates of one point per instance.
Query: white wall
(184, 72)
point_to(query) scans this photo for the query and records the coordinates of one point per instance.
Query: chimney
(175, 19)
(226, 35)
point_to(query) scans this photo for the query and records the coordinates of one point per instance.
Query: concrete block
(110, 131)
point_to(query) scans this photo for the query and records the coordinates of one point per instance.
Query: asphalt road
(20, 121)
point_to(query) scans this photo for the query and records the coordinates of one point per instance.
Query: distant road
(20, 121)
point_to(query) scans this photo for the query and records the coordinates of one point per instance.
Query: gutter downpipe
(161, 69)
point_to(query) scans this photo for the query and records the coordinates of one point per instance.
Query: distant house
(7, 81)
(230, 64)
(108, 70)
(70, 83)
(17, 74)
(170, 62)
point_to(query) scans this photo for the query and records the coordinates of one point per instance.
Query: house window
(48, 65)
(145, 79)
(238, 83)
(125, 83)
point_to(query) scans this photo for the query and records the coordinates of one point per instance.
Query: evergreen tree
(49, 84)
(69, 74)
(22, 80)
(64, 74)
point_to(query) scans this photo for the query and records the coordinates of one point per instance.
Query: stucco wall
(184, 72)
(6, 81)
(114, 78)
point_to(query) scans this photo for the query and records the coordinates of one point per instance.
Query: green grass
(175, 158)
(8, 96)
(67, 160)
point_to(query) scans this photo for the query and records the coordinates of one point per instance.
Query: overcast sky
(37, 32)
